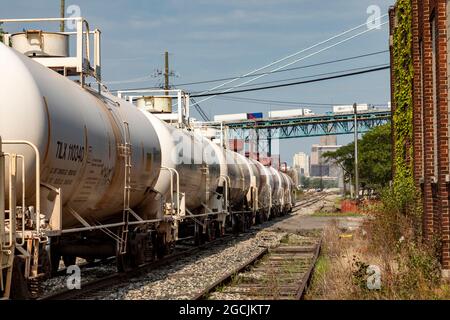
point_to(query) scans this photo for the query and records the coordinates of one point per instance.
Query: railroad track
(100, 287)
(281, 273)
(309, 202)
(87, 265)
(103, 286)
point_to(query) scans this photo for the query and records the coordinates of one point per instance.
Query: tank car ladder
(126, 154)
(6, 237)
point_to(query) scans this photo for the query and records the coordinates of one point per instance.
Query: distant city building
(315, 154)
(318, 170)
(301, 163)
(328, 141)
(319, 166)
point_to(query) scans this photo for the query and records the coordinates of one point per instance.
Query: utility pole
(166, 71)
(355, 109)
(257, 145)
(320, 167)
(269, 145)
(62, 14)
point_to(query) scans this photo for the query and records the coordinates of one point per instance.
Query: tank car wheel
(199, 237)
(123, 262)
(276, 212)
(222, 229)
(264, 216)
(55, 259)
(258, 218)
(161, 246)
(236, 224)
(69, 260)
(218, 230)
(210, 234)
(45, 265)
(249, 221)
(19, 286)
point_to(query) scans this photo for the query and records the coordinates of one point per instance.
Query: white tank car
(78, 134)
(287, 195)
(253, 196)
(196, 159)
(240, 175)
(277, 191)
(264, 189)
(293, 189)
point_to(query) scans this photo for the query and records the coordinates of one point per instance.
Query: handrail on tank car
(173, 172)
(227, 186)
(18, 156)
(38, 177)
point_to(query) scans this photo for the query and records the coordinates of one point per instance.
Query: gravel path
(187, 277)
(88, 274)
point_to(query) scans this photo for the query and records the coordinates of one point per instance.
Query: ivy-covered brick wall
(419, 31)
(402, 99)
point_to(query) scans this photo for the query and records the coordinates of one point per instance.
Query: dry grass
(409, 269)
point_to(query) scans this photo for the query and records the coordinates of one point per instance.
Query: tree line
(374, 155)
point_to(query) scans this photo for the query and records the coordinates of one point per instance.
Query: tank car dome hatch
(155, 104)
(37, 43)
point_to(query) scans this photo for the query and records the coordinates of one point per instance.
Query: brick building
(430, 30)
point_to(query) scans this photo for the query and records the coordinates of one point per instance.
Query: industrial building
(429, 46)
(319, 167)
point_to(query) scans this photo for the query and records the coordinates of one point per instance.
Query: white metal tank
(287, 200)
(240, 173)
(264, 188)
(188, 153)
(36, 43)
(155, 104)
(78, 134)
(276, 184)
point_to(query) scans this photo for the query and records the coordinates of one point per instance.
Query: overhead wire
(309, 76)
(293, 83)
(284, 67)
(288, 69)
(267, 73)
(208, 96)
(284, 103)
(295, 54)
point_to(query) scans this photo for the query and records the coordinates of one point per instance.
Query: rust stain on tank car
(49, 125)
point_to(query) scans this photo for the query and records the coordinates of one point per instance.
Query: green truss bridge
(305, 126)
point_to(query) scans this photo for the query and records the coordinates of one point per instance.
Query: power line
(294, 83)
(297, 53)
(257, 74)
(283, 103)
(209, 96)
(310, 76)
(133, 80)
(200, 110)
(288, 69)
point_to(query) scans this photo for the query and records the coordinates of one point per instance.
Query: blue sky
(210, 39)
